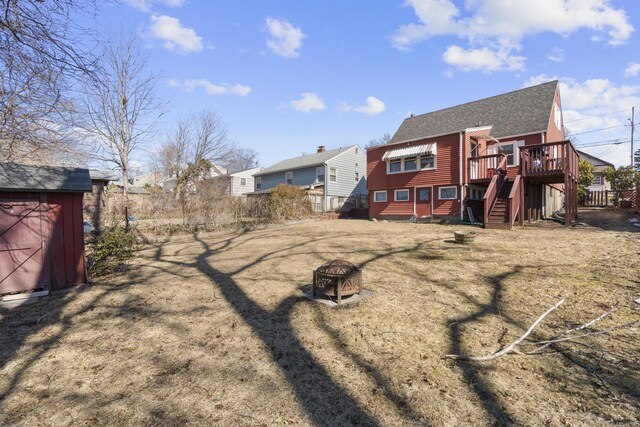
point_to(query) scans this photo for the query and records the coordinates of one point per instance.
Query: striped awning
(416, 150)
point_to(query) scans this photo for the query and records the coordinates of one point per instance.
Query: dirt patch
(215, 330)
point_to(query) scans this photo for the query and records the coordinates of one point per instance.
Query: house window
(320, 174)
(510, 150)
(258, 182)
(288, 176)
(410, 164)
(427, 162)
(243, 181)
(448, 193)
(423, 195)
(333, 174)
(557, 116)
(395, 165)
(357, 177)
(597, 180)
(507, 150)
(401, 195)
(380, 196)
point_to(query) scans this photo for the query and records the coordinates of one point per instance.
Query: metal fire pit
(337, 278)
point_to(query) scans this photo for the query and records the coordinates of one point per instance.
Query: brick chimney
(321, 149)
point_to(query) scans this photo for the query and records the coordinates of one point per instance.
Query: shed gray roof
(18, 177)
(303, 161)
(514, 113)
(102, 175)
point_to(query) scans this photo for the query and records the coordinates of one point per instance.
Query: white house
(241, 183)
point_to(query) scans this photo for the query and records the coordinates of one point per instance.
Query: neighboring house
(329, 176)
(238, 184)
(95, 203)
(41, 227)
(153, 179)
(599, 182)
(504, 157)
(169, 183)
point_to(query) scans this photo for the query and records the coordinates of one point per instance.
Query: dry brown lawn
(215, 331)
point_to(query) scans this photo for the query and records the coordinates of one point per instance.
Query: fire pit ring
(337, 278)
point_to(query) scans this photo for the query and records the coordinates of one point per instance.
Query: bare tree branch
(120, 107)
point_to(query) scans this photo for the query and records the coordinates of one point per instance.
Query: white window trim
(286, 179)
(599, 178)
(336, 175)
(375, 193)
(395, 195)
(324, 173)
(245, 181)
(418, 169)
(447, 188)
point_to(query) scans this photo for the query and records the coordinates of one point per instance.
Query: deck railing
(491, 195)
(484, 167)
(548, 159)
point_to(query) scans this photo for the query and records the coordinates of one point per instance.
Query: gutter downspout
(461, 174)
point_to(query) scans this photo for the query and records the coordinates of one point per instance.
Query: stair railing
(491, 195)
(514, 200)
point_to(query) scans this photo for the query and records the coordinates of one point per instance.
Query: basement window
(448, 193)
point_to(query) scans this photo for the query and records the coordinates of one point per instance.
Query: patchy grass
(213, 330)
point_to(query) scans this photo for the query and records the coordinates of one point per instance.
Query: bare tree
(120, 107)
(42, 51)
(242, 158)
(195, 138)
(382, 140)
(170, 157)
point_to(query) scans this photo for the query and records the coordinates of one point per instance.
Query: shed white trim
(416, 150)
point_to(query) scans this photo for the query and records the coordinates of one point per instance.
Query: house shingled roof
(19, 177)
(514, 113)
(303, 161)
(596, 161)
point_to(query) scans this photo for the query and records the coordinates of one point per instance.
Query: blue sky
(287, 76)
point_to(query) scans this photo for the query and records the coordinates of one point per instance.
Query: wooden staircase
(505, 207)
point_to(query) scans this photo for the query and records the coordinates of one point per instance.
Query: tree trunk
(125, 192)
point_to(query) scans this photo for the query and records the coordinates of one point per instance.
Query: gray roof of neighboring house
(514, 113)
(303, 161)
(19, 177)
(131, 188)
(596, 161)
(102, 175)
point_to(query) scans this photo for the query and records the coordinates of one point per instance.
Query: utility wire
(593, 117)
(597, 130)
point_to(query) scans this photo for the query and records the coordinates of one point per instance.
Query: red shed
(41, 227)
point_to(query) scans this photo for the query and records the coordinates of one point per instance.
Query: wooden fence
(623, 199)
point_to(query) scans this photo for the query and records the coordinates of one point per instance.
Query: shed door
(21, 260)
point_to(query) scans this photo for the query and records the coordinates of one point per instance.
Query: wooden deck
(550, 163)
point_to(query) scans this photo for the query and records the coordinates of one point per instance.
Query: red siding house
(499, 160)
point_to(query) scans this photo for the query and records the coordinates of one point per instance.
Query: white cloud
(556, 55)
(309, 102)
(483, 59)
(174, 35)
(501, 25)
(632, 69)
(210, 88)
(609, 102)
(373, 107)
(284, 39)
(145, 5)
